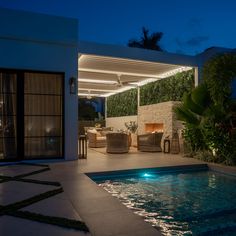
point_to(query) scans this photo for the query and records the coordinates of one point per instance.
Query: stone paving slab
(103, 214)
(11, 226)
(14, 191)
(57, 205)
(44, 176)
(14, 170)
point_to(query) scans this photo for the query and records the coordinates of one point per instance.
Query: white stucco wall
(119, 122)
(44, 43)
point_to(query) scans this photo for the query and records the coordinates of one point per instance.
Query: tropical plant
(218, 74)
(192, 111)
(147, 41)
(131, 126)
(208, 113)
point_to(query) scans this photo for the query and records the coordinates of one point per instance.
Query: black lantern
(72, 83)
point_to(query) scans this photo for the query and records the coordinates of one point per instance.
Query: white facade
(40, 42)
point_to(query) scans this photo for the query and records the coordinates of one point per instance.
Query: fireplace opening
(154, 127)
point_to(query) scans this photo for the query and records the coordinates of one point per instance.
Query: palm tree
(147, 41)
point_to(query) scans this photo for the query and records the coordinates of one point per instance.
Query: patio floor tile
(57, 206)
(14, 170)
(10, 226)
(116, 222)
(14, 191)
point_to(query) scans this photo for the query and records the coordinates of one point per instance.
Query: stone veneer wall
(155, 113)
(159, 113)
(119, 122)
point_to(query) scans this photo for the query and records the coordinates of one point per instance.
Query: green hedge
(122, 104)
(169, 89)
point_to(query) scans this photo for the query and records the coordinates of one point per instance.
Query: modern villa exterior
(40, 61)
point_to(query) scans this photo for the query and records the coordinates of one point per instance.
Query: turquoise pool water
(191, 203)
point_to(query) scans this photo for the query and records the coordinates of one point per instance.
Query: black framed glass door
(42, 115)
(31, 110)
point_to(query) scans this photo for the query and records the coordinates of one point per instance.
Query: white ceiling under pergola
(104, 75)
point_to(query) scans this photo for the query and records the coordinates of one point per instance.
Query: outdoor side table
(82, 147)
(166, 145)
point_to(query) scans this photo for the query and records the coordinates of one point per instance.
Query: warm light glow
(130, 85)
(174, 72)
(143, 82)
(118, 91)
(154, 127)
(119, 72)
(90, 95)
(97, 81)
(98, 90)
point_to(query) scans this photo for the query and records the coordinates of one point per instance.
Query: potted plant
(132, 128)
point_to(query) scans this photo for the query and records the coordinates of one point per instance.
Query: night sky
(189, 26)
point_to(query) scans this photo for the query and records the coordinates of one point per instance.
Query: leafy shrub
(122, 104)
(208, 113)
(169, 89)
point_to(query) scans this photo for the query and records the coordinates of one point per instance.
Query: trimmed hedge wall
(122, 104)
(169, 89)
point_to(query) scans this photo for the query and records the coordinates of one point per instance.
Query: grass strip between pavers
(33, 173)
(52, 220)
(33, 181)
(4, 179)
(43, 182)
(13, 209)
(33, 164)
(29, 201)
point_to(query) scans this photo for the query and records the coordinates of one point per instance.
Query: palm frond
(186, 115)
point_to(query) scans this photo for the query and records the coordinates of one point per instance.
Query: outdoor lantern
(72, 83)
(175, 148)
(167, 145)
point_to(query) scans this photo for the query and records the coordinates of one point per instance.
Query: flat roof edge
(98, 49)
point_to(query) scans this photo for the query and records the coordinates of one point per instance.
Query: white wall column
(196, 76)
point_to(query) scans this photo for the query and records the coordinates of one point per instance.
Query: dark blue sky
(189, 26)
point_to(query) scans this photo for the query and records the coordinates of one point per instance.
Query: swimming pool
(178, 203)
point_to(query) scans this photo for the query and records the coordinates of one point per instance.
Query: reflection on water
(180, 204)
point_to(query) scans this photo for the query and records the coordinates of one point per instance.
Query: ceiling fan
(121, 83)
(89, 96)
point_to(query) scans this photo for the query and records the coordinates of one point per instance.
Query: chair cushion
(101, 138)
(94, 131)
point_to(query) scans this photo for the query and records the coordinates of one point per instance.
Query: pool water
(191, 203)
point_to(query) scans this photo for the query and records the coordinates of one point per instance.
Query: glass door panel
(42, 115)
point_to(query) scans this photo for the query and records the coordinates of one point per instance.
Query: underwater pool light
(147, 175)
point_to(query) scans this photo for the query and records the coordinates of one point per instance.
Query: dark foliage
(147, 41)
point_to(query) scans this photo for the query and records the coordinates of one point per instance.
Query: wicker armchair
(117, 143)
(95, 139)
(150, 142)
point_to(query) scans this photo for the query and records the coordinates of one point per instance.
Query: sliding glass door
(31, 110)
(42, 115)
